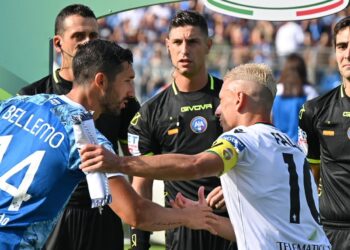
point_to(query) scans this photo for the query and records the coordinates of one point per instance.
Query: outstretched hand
(98, 158)
(200, 215)
(183, 202)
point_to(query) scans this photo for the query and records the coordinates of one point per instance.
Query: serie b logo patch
(277, 10)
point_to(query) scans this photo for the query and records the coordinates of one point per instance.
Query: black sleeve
(308, 132)
(125, 117)
(109, 125)
(27, 90)
(140, 133)
(38, 87)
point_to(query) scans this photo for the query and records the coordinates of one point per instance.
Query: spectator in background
(76, 24)
(289, 39)
(239, 38)
(261, 48)
(293, 90)
(331, 77)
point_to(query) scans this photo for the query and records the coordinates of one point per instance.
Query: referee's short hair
(191, 18)
(70, 10)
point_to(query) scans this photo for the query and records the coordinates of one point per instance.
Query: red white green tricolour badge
(277, 10)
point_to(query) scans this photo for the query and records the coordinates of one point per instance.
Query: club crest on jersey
(199, 124)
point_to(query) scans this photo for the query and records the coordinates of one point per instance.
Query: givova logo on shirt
(277, 10)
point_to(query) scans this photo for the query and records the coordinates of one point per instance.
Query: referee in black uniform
(325, 134)
(82, 227)
(181, 119)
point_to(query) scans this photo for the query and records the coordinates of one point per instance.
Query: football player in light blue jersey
(39, 159)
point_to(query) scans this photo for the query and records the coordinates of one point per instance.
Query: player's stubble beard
(110, 104)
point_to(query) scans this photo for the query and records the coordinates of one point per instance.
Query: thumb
(201, 197)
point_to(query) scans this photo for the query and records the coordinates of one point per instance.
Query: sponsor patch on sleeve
(239, 146)
(133, 144)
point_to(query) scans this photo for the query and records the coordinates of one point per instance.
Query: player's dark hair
(99, 56)
(70, 10)
(183, 18)
(343, 23)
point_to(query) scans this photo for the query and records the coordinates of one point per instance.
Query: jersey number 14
(32, 161)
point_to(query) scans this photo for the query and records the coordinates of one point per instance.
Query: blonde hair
(255, 72)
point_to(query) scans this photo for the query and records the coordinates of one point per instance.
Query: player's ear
(167, 44)
(100, 81)
(241, 100)
(209, 44)
(57, 43)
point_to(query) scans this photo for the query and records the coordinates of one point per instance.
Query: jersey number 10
(294, 190)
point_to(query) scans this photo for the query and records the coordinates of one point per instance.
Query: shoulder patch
(133, 144)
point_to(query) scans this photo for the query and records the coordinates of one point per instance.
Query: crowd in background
(236, 41)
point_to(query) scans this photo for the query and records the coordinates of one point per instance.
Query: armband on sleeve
(226, 152)
(139, 239)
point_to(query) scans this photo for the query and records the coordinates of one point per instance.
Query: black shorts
(87, 229)
(184, 238)
(339, 237)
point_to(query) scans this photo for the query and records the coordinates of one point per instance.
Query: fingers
(214, 193)
(92, 158)
(220, 205)
(215, 198)
(88, 148)
(91, 165)
(180, 200)
(209, 221)
(174, 204)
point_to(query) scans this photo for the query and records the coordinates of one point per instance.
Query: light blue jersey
(39, 166)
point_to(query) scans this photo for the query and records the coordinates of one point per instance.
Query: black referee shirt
(326, 122)
(178, 122)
